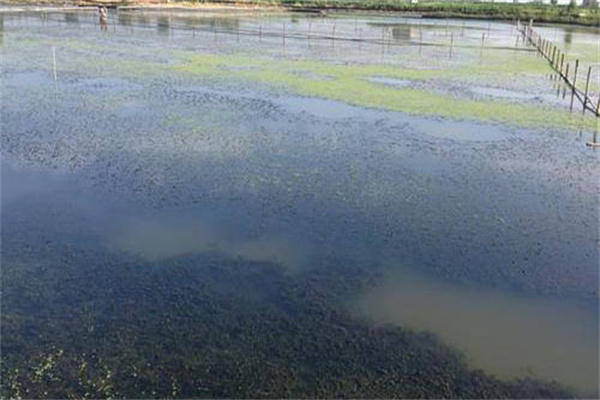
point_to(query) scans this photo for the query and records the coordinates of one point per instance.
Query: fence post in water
(543, 46)
(451, 42)
(587, 87)
(260, 33)
(283, 35)
(333, 35)
(562, 60)
(481, 50)
(567, 75)
(574, 82)
(54, 62)
(360, 39)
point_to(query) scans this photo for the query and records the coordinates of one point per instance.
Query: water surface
(185, 217)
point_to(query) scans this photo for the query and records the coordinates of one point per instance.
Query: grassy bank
(438, 9)
(537, 12)
(431, 9)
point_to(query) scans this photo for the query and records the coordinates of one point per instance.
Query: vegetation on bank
(548, 13)
(569, 14)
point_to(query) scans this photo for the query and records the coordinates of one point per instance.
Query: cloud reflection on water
(168, 237)
(505, 334)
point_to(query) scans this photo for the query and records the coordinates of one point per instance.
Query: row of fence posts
(556, 58)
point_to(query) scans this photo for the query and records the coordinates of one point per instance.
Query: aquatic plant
(348, 83)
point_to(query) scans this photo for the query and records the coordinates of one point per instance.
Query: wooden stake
(333, 35)
(54, 62)
(574, 82)
(587, 87)
(562, 61)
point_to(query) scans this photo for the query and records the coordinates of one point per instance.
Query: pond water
(199, 205)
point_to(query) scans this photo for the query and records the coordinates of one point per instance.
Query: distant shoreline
(464, 10)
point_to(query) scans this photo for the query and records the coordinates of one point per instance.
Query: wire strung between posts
(549, 51)
(310, 35)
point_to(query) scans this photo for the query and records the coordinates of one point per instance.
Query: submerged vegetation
(351, 84)
(354, 84)
(204, 326)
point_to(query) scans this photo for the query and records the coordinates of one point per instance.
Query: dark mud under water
(173, 237)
